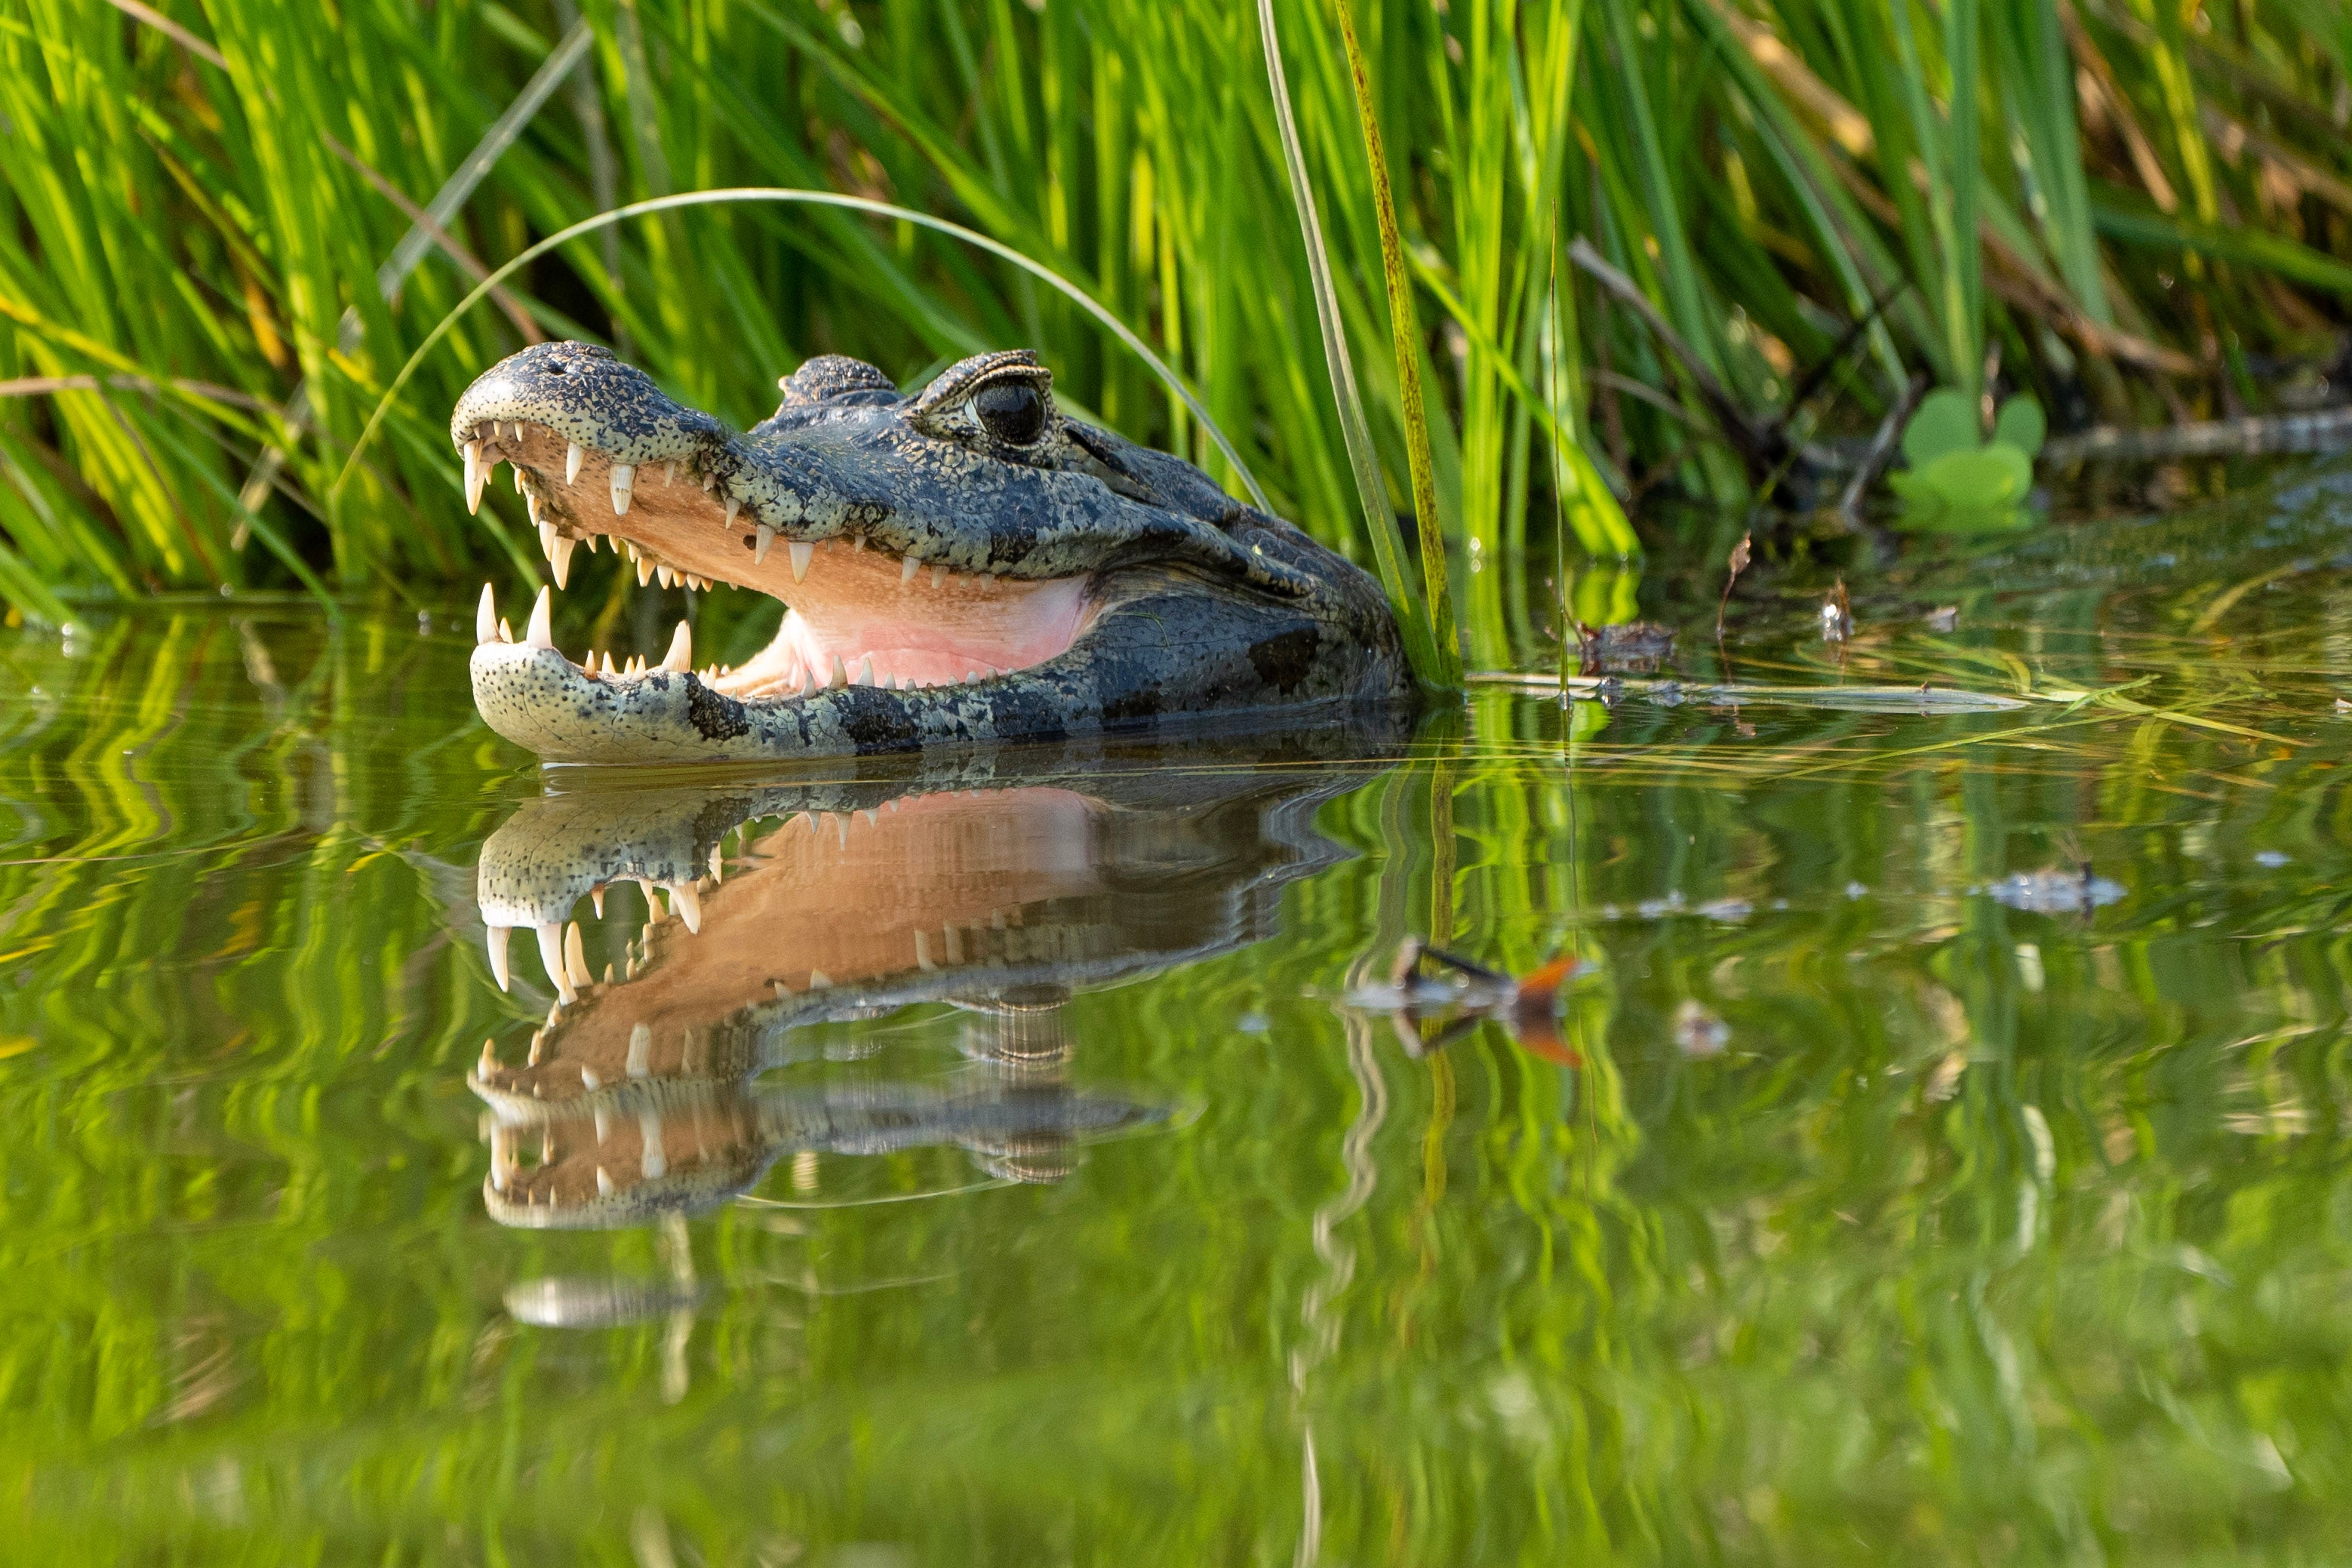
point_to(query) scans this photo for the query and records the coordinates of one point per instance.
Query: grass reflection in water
(1868, 1203)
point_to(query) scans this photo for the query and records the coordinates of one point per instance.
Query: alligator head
(999, 881)
(964, 565)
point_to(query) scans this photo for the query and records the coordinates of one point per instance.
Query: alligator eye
(1012, 411)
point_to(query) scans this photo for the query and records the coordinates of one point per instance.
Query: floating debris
(1699, 1032)
(1944, 619)
(2054, 892)
(1635, 648)
(1425, 981)
(1837, 615)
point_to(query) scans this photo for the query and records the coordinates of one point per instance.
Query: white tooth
(767, 538)
(541, 630)
(866, 671)
(489, 1063)
(530, 505)
(873, 817)
(819, 980)
(591, 543)
(571, 456)
(604, 1187)
(547, 540)
(631, 546)
(498, 955)
(550, 957)
(686, 903)
(506, 633)
(906, 570)
(972, 678)
(624, 476)
(563, 548)
(644, 569)
(575, 960)
(680, 657)
(840, 673)
(802, 550)
(649, 1133)
(716, 859)
(517, 473)
(596, 893)
(666, 577)
(485, 619)
(733, 506)
(669, 475)
(588, 1079)
(475, 476)
(938, 576)
(808, 683)
(859, 543)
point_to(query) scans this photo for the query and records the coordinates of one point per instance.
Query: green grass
(2133, 208)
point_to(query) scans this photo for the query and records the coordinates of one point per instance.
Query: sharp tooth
(575, 960)
(530, 505)
(485, 619)
(668, 577)
(802, 550)
(644, 569)
(571, 456)
(547, 540)
(588, 1079)
(680, 657)
(631, 546)
(542, 631)
(819, 980)
(489, 1063)
(624, 476)
(475, 476)
(972, 678)
(841, 827)
(906, 570)
(938, 576)
(591, 543)
(517, 473)
(669, 475)
(733, 506)
(767, 538)
(498, 955)
(596, 893)
(866, 671)
(873, 817)
(686, 903)
(550, 957)
(808, 683)
(563, 548)
(604, 1187)
(716, 859)
(506, 632)
(859, 543)
(840, 674)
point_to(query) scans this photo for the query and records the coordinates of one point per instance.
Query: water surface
(1939, 1150)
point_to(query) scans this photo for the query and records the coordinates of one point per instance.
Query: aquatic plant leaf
(2021, 424)
(1946, 423)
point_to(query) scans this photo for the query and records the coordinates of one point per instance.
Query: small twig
(2256, 437)
(172, 30)
(1759, 450)
(1881, 452)
(1740, 555)
(468, 262)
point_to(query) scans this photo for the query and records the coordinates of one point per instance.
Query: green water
(1003, 1176)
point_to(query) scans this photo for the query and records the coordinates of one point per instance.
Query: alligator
(997, 880)
(967, 563)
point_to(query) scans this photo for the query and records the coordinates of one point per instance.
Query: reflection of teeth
(604, 1188)
(802, 550)
(685, 903)
(641, 1051)
(588, 1079)
(550, 957)
(669, 475)
(542, 632)
(571, 456)
(498, 935)
(489, 1063)
(485, 618)
(575, 961)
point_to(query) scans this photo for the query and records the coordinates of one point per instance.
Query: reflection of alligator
(963, 566)
(997, 884)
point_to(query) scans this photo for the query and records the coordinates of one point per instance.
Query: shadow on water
(1936, 1149)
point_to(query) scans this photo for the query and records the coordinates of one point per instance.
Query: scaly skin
(1108, 587)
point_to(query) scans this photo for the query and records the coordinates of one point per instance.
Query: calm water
(1939, 1156)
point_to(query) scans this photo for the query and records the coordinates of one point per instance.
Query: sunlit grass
(2132, 209)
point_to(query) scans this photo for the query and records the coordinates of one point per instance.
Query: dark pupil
(1011, 411)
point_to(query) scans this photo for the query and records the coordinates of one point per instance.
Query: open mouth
(859, 613)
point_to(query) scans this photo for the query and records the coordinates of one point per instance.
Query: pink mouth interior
(853, 609)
